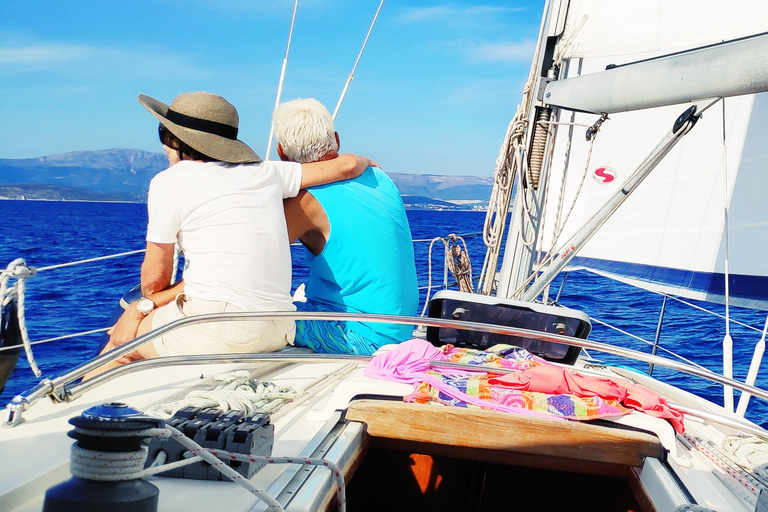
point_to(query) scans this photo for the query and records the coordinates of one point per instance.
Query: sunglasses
(165, 135)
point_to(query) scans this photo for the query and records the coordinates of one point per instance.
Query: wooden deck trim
(503, 432)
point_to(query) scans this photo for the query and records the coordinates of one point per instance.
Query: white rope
(559, 227)
(751, 453)
(458, 262)
(742, 483)
(106, 466)
(359, 55)
(18, 268)
(461, 269)
(508, 164)
(236, 392)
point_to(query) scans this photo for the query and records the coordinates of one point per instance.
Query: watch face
(145, 306)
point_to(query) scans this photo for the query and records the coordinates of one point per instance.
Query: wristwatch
(145, 306)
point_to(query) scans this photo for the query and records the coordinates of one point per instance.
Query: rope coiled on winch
(105, 466)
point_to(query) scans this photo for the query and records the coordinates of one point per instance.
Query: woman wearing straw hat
(224, 207)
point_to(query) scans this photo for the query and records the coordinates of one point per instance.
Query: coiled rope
(751, 453)
(236, 392)
(741, 482)
(120, 466)
(456, 260)
(508, 162)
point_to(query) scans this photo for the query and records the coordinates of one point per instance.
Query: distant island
(124, 175)
(24, 192)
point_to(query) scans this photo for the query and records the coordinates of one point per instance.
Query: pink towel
(555, 380)
(408, 363)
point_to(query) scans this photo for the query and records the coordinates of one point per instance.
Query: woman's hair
(169, 139)
(304, 129)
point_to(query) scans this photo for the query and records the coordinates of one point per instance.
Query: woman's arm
(343, 167)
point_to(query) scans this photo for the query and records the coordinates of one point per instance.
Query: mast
(521, 246)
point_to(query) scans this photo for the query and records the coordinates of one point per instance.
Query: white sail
(670, 234)
(600, 28)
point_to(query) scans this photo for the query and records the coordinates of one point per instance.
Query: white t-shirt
(230, 224)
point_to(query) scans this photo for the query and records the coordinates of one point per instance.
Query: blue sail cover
(744, 290)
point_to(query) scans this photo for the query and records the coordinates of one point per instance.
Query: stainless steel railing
(62, 389)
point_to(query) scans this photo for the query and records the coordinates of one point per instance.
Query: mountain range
(124, 175)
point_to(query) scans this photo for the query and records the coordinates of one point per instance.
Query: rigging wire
(727, 340)
(282, 78)
(359, 55)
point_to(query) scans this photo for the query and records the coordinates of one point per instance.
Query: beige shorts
(235, 337)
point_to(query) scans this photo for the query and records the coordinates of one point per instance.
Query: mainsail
(670, 235)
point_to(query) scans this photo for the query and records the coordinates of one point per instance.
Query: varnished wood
(502, 432)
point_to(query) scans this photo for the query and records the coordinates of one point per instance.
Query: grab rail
(57, 389)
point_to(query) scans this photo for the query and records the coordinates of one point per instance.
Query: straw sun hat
(206, 122)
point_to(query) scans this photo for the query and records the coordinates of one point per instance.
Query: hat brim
(214, 146)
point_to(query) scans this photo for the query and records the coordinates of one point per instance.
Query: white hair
(304, 129)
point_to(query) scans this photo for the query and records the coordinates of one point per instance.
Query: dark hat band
(202, 125)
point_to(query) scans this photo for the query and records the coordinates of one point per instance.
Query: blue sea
(84, 297)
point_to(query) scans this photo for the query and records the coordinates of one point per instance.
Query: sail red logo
(604, 175)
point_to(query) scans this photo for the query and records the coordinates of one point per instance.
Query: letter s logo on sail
(604, 175)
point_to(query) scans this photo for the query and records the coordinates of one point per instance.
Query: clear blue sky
(433, 93)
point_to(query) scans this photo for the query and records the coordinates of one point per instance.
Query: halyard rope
(509, 164)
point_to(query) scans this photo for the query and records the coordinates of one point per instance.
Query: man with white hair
(358, 242)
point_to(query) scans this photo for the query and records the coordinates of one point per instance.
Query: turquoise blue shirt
(367, 264)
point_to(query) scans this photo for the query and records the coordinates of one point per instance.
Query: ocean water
(84, 297)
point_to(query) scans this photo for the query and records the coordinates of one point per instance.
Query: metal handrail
(57, 388)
